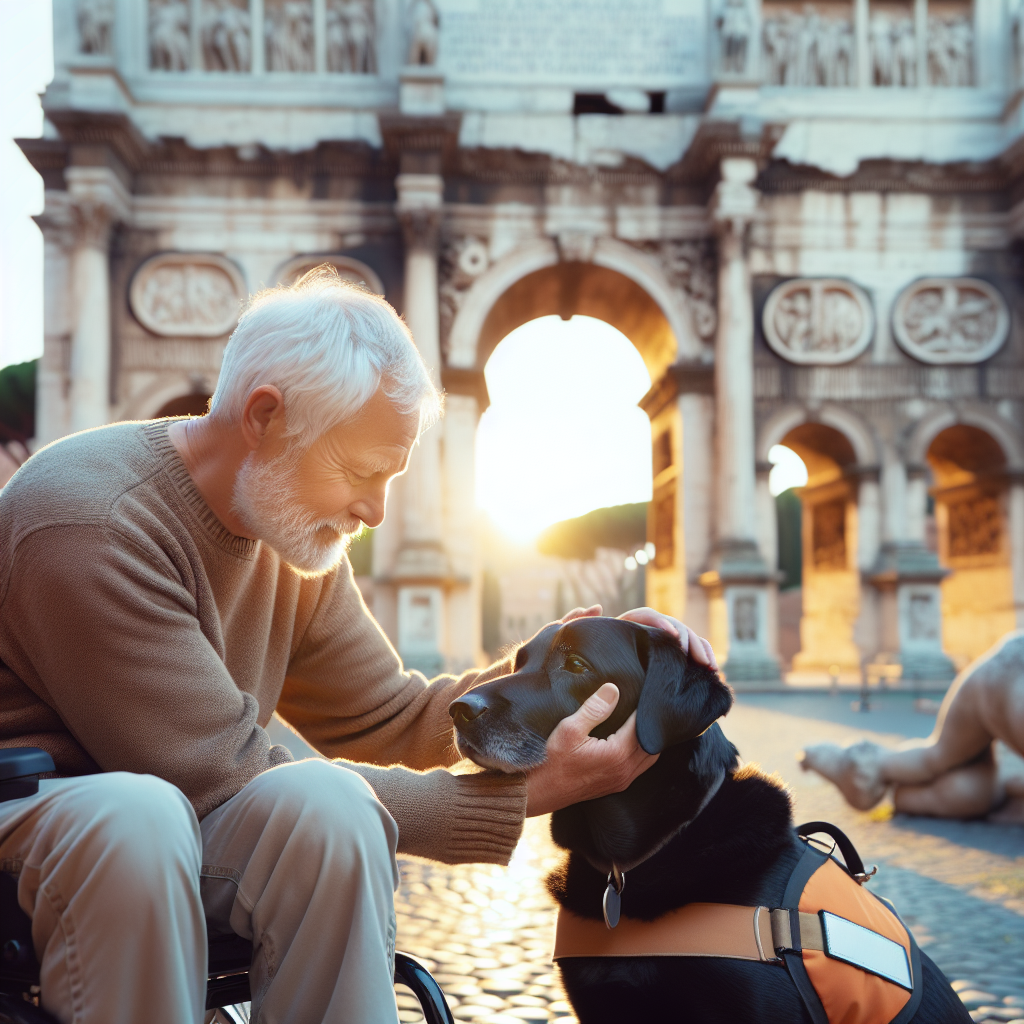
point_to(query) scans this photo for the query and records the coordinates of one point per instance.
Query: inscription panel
(573, 40)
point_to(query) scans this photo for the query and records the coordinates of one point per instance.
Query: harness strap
(697, 929)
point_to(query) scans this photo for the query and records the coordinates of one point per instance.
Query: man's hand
(695, 646)
(582, 767)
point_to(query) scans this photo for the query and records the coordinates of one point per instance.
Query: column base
(926, 667)
(740, 584)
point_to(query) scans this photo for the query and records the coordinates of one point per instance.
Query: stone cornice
(678, 379)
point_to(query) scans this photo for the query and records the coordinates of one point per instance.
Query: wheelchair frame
(230, 957)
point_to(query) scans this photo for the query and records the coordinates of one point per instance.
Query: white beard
(264, 499)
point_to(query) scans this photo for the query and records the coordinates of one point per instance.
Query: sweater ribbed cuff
(456, 819)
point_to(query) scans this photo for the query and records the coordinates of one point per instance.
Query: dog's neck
(625, 829)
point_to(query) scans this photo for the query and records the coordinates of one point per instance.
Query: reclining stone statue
(954, 773)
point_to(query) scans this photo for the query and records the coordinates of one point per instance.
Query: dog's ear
(680, 698)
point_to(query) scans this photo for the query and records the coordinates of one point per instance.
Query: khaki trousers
(121, 882)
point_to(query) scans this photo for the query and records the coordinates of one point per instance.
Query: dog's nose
(467, 708)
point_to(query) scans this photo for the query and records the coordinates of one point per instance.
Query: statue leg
(968, 792)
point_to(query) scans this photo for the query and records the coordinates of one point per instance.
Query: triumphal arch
(806, 217)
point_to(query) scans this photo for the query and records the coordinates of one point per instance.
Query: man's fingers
(594, 710)
(580, 613)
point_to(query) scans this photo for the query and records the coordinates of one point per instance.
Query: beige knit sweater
(137, 634)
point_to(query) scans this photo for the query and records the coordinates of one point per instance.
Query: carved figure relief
(828, 534)
(182, 294)
(348, 270)
(745, 618)
(95, 26)
(807, 49)
(951, 320)
(951, 51)
(461, 262)
(169, 47)
(893, 50)
(818, 321)
(288, 33)
(351, 44)
(691, 267)
(424, 33)
(735, 27)
(975, 527)
(923, 615)
(226, 36)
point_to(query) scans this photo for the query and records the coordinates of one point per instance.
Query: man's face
(306, 503)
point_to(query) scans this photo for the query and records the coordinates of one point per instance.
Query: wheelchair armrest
(20, 768)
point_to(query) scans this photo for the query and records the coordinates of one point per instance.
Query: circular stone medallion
(943, 320)
(348, 269)
(818, 320)
(187, 294)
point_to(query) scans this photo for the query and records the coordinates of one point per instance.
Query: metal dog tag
(612, 904)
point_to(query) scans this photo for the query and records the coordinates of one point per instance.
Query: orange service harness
(850, 956)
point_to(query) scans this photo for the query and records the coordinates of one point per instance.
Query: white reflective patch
(864, 948)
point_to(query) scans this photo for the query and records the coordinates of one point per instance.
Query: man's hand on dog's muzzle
(581, 767)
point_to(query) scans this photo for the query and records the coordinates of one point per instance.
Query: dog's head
(505, 723)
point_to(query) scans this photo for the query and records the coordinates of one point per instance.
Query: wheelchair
(227, 980)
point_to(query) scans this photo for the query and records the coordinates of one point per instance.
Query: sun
(563, 434)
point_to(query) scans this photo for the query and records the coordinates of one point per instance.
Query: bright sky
(563, 434)
(788, 469)
(26, 65)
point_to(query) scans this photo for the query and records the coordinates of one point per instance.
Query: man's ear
(680, 698)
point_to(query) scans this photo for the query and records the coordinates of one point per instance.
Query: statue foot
(855, 770)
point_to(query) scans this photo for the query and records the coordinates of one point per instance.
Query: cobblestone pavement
(486, 932)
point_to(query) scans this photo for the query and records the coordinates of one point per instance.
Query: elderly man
(165, 587)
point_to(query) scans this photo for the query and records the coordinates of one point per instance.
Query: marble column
(907, 577)
(422, 571)
(98, 200)
(1016, 518)
(739, 577)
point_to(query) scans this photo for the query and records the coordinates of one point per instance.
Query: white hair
(327, 345)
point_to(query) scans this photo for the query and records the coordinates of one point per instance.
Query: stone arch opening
(196, 404)
(585, 289)
(830, 580)
(970, 492)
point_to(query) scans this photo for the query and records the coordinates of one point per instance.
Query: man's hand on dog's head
(695, 646)
(582, 767)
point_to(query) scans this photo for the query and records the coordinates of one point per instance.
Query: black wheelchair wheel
(14, 1010)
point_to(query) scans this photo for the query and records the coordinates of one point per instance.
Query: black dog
(678, 837)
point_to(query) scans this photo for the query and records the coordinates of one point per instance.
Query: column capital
(735, 200)
(98, 200)
(420, 200)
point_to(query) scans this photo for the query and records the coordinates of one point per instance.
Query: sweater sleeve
(106, 633)
(349, 696)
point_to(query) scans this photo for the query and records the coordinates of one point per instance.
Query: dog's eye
(574, 663)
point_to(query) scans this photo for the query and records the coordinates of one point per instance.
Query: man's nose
(467, 708)
(370, 509)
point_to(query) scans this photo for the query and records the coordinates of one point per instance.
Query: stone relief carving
(424, 33)
(975, 527)
(461, 261)
(169, 47)
(818, 321)
(348, 269)
(893, 51)
(951, 51)
(691, 267)
(181, 294)
(807, 49)
(735, 27)
(351, 43)
(951, 320)
(288, 32)
(828, 535)
(226, 36)
(95, 26)
(923, 615)
(746, 618)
